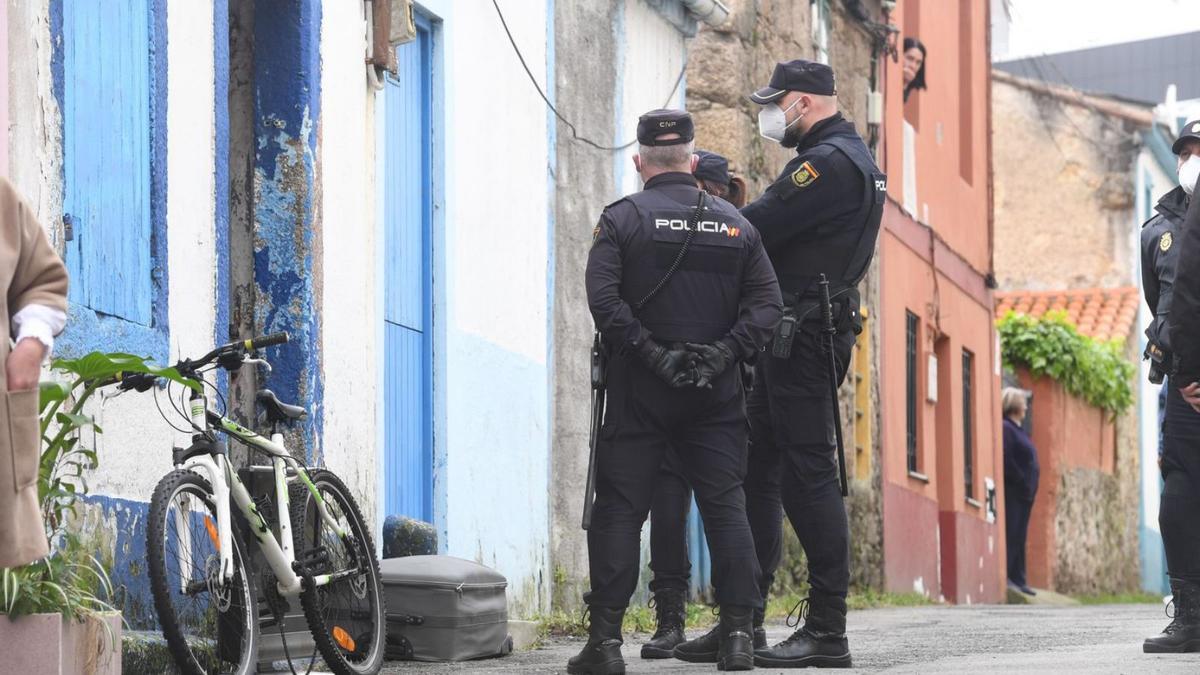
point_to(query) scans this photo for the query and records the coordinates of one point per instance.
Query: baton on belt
(830, 331)
(599, 383)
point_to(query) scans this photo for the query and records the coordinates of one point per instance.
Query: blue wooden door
(106, 155)
(408, 216)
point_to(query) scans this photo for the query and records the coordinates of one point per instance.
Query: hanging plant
(1096, 371)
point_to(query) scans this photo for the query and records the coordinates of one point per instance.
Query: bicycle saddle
(277, 410)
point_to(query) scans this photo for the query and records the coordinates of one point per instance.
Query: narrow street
(995, 639)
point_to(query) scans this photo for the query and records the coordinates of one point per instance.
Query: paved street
(1008, 639)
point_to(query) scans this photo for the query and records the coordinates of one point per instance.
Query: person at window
(1021, 473)
(914, 66)
(35, 306)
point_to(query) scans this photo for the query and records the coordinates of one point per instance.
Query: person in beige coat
(34, 306)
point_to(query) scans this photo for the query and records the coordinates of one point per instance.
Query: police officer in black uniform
(821, 216)
(1180, 460)
(672, 497)
(681, 290)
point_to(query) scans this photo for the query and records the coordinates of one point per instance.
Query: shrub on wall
(1050, 346)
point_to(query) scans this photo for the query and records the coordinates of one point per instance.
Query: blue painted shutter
(106, 148)
(408, 213)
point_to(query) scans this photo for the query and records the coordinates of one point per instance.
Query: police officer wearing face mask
(681, 290)
(820, 216)
(1180, 461)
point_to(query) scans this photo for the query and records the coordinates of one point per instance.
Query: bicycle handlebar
(228, 356)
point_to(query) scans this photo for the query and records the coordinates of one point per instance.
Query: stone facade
(1063, 186)
(726, 64)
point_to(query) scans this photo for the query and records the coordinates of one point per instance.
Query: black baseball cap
(712, 167)
(809, 77)
(657, 123)
(1189, 132)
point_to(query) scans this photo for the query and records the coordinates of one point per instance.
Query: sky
(1049, 26)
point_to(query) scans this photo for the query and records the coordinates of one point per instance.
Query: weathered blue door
(408, 216)
(106, 155)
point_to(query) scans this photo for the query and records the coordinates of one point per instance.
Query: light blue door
(408, 315)
(106, 155)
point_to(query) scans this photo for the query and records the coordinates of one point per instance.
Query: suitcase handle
(406, 619)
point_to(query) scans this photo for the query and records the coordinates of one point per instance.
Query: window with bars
(968, 365)
(910, 365)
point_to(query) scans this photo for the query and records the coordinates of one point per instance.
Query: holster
(1163, 363)
(802, 312)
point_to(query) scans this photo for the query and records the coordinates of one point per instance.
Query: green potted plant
(58, 607)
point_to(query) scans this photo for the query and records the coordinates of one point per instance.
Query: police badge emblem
(805, 175)
(1165, 241)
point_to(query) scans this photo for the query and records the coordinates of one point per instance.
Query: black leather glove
(672, 365)
(713, 359)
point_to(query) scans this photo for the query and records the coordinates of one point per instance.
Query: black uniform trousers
(1017, 510)
(1179, 510)
(707, 428)
(793, 462)
(668, 528)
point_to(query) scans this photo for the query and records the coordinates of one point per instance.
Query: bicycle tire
(314, 599)
(165, 492)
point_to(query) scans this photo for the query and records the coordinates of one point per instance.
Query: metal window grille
(968, 364)
(911, 396)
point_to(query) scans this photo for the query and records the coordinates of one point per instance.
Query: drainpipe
(711, 12)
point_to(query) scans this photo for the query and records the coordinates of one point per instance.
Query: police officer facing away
(821, 216)
(673, 381)
(1180, 502)
(672, 496)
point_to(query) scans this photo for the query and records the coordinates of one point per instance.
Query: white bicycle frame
(226, 484)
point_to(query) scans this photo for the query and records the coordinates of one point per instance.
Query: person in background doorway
(1021, 472)
(914, 66)
(35, 282)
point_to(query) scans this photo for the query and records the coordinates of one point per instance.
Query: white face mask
(772, 121)
(1188, 173)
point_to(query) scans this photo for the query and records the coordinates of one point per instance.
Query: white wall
(351, 350)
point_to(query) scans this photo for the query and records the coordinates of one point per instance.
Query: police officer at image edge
(681, 289)
(1180, 438)
(821, 216)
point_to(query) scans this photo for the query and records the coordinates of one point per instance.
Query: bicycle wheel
(347, 617)
(210, 627)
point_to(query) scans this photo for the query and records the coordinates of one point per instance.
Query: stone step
(1043, 597)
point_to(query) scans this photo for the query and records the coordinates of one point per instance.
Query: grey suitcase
(444, 609)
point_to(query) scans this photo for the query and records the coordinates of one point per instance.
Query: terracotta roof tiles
(1101, 313)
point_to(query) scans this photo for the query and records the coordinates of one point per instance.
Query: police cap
(663, 122)
(1189, 132)
(712, 167)
(809, 77)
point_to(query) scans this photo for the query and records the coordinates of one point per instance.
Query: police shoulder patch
(804, 176)
(1165, 241)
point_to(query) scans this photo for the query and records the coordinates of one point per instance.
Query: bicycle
(323, 553)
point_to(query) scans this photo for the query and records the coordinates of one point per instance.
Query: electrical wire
(575, 132)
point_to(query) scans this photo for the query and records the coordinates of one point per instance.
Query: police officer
(672, 497)
(820, 216)
(681, 290)
(1180, 460)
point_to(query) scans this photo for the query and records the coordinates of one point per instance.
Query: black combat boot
(760, 633)
(602, 653)
(668, 605)
(701, 650)
(1183, 633)
(736, 637)
(821, 643)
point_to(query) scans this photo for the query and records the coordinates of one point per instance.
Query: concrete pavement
(988, 639)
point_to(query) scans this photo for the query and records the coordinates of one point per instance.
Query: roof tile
(1101, 313)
